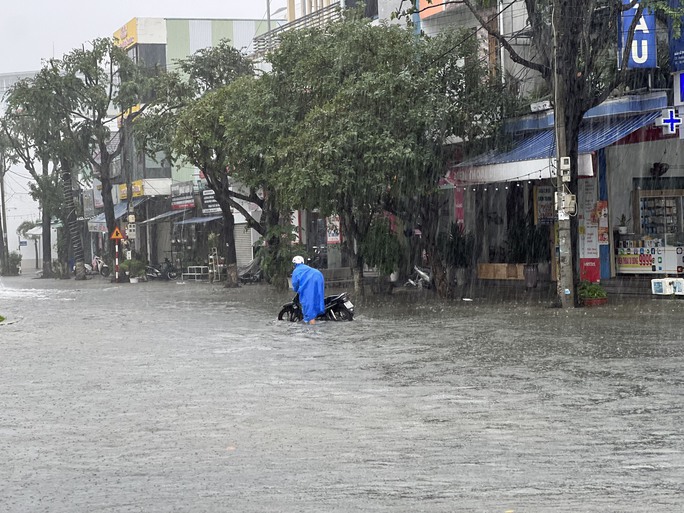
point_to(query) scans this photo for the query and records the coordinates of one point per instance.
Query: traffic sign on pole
(116, 234)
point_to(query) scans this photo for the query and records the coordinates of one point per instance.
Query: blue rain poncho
(310, 285)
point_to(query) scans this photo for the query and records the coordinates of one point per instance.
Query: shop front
(530, 163)
(656, 245)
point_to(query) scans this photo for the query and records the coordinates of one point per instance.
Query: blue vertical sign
(678, 95)
(643, 51)
(676, 44)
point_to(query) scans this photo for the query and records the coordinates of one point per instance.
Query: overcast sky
(33, 30)
(37, 29)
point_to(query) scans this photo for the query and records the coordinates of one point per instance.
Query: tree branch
(515, 57)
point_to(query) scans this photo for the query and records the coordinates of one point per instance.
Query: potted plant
(622, 224)
(134, 269)
(592, 294)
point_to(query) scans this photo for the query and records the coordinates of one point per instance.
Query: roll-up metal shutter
(243, 244)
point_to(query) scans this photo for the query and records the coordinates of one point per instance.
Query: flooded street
(161, 397)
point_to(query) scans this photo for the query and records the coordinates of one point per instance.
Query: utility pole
(564, 201)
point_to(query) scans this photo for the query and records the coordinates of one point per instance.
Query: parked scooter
(422, 278)
(337, 308)
(99, 266)
(252, 272)
(166, 271)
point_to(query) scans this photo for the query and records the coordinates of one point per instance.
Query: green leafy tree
(369, 120)
(253, 123)
(30, 129)
(186, 121)
(575, 43)
(93, 83)
(62, 119)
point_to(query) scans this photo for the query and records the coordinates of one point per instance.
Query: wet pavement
(161, 397)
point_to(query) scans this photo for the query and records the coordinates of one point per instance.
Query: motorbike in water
(337, 308)
(166, 271)
(421, 279)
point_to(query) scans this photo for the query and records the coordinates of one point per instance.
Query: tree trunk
(357, 273)
(46, 225)
(108, 202)
(230, 253)
(74, 232)
(4, 253)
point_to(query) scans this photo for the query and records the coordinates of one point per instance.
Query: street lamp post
(268, 21)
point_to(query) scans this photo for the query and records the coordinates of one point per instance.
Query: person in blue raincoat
(310, 285)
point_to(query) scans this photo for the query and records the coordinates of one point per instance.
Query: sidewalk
(507, 290)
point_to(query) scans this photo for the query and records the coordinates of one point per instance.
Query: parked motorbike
(252, 272)
(166, 271)
(337, 308)
(422, 278)
(100, 267)
(319, 260)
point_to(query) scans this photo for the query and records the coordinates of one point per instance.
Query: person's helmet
(298, 260)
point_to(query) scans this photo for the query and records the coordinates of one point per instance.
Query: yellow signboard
(136, 186)
(127, 35)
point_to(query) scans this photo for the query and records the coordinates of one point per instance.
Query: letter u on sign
(643, 48)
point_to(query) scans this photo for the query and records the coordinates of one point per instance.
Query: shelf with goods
(660, 215)
(658, 245)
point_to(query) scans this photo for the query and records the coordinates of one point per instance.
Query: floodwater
(162, 397)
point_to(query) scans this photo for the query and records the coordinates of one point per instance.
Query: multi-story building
(168, 219)
(623, 152)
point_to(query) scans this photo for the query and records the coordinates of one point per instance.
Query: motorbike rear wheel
(104, 271)
(290, 314)
(340, 314)
(171, 275)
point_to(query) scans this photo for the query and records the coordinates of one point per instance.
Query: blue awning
(198, 220)
(99, 222)
(531, 157)
(594, 135)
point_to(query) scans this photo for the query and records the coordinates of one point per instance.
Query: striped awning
(98, 223)
(531, 157)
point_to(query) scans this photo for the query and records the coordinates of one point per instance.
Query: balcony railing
(270, 40)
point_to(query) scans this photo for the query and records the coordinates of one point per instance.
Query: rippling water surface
(163, 397)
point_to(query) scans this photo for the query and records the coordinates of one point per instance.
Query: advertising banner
(676, 47)
(333, 229)
(544, 212)
(643, 51)
(430, 9)
(97, 193)
(643, 257)
(209, 203)
(136, 186)
(590, 263)
(182, 196)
